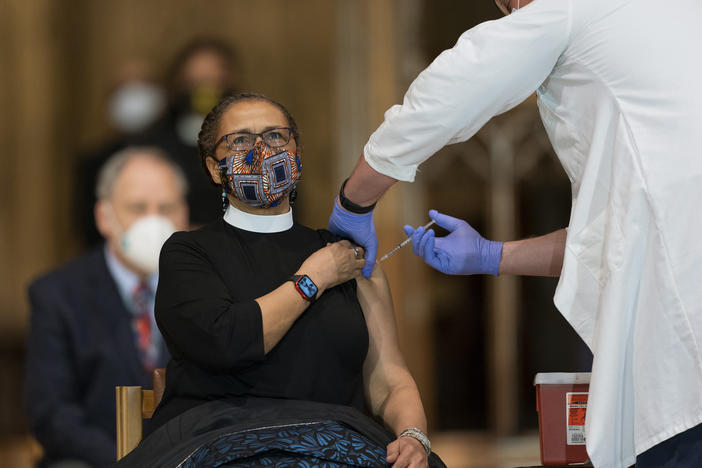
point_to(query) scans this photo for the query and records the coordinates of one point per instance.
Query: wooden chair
(133, 406)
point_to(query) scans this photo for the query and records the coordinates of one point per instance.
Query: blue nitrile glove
(463, 252)
(359, 228)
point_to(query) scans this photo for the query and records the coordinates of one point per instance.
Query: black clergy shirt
(205, 308)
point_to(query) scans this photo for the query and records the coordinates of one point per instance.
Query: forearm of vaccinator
(366, 185)
(538, 256)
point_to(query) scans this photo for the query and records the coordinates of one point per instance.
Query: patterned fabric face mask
(262, 176)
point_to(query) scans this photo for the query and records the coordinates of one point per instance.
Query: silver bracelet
(417, 433)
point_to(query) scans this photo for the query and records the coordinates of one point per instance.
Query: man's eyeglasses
(244, 141)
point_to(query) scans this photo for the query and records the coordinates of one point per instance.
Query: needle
(403, 243)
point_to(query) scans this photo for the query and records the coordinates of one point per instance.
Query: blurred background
(472, 343)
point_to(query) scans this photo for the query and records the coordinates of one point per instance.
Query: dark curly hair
(207, 138)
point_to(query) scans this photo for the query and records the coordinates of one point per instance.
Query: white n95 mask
(141, 243)
(136, 105)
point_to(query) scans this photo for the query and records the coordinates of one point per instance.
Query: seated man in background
(92, 323)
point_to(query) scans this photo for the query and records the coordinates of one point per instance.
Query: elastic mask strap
(223, 175)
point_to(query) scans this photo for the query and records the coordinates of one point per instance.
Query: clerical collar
(258, 223)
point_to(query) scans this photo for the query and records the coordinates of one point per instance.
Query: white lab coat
(619, 85)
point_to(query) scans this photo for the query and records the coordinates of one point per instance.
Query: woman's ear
(213, 167)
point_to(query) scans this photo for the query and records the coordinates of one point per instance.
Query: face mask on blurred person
(141, 243)
(262, 176)
(192, 108)
(136, 105)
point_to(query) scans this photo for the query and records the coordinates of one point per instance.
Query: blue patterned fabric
(326, 444)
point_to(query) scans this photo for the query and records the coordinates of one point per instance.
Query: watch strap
(348, 205)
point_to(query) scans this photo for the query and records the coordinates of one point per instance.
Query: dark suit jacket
(81, 345)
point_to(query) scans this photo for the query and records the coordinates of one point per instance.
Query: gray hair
(110, 171)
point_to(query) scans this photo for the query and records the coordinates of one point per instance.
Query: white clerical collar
(258, 223)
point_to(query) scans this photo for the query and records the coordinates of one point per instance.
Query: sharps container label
(576, 407)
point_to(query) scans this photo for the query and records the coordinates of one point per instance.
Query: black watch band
(348, 205)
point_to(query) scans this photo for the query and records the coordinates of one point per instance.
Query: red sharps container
(561, 401)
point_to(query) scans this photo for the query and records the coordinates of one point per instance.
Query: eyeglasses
(244, 141)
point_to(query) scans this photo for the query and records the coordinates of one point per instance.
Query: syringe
(403, 243)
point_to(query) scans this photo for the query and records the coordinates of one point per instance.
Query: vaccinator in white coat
(619, 88)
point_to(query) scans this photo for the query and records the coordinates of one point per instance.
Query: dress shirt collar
(258, 223)
(126, 279)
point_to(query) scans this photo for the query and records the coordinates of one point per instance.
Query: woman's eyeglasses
(244, 141)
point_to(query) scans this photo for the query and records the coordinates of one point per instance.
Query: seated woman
(278, 344)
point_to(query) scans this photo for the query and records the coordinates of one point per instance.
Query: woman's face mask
(262, 176)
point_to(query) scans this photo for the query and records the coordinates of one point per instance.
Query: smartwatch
(305, 286)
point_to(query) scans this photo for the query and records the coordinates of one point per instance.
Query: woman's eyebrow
(241, 130)
(248, 130)
(273, 127)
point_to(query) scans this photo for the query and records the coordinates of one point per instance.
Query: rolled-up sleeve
(492, 68)
(197, 316)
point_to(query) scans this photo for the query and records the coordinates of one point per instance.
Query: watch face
(307, 286)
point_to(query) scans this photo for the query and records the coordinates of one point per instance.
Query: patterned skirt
(265, 432)
(326, 444)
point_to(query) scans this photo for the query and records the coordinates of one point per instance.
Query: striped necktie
(141, 323)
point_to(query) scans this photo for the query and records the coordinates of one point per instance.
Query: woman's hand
(334, 264)
(407, 452)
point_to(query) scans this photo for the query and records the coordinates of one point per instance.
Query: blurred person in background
(92, 322)
(135, 102)
(203, 72)
(144, 114)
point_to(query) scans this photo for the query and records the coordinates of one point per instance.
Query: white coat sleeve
(492, 68)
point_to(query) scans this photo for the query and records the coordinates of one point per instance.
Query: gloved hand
(359, 228)
(463, 252)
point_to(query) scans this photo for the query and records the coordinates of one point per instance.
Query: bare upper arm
(384, 366)
(376, 302)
